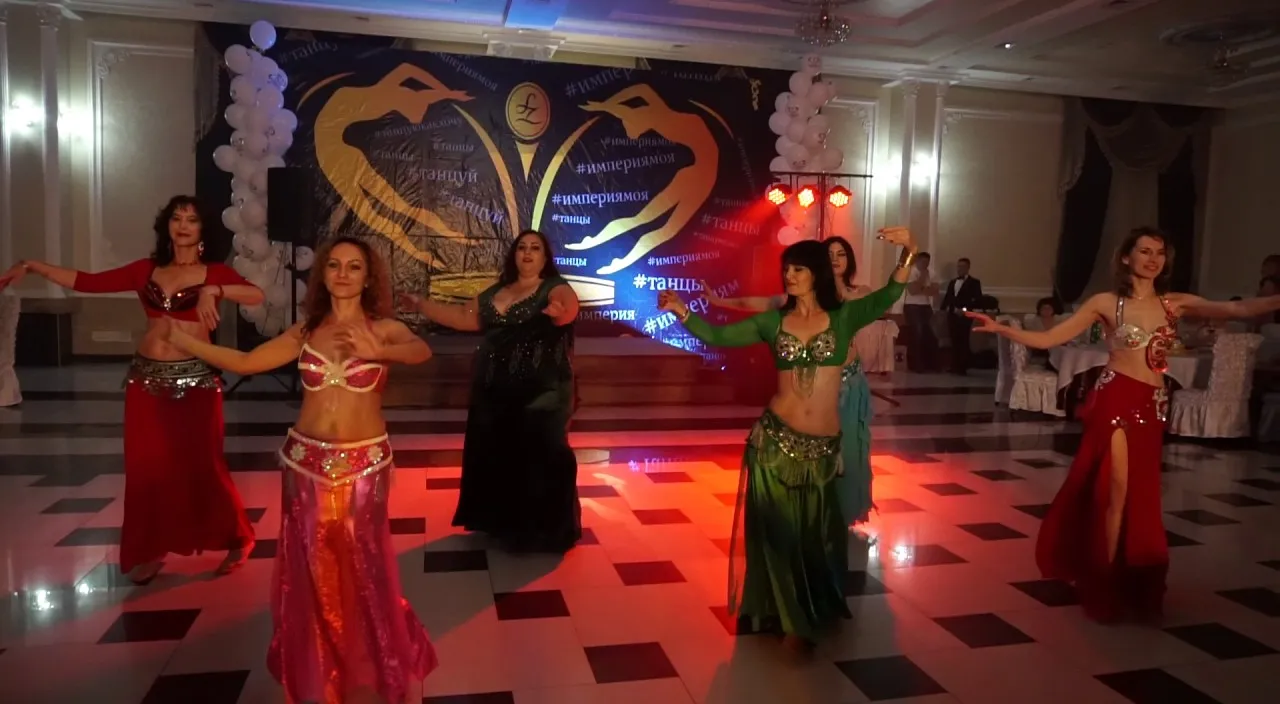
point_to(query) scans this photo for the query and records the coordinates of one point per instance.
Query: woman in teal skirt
(789, 548)
(854, 488)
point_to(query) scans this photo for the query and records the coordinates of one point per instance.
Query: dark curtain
(1177, 214)
(1084, 212)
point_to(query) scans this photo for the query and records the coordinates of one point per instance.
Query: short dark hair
(812, 255)
(963, 259)
(1050, 301)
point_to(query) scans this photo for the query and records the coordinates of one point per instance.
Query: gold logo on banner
(410, 91)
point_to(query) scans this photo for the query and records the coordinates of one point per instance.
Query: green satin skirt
(789, 551)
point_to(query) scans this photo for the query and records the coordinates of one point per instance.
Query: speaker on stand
(290, 221)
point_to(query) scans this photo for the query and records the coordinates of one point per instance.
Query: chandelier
(821, 26)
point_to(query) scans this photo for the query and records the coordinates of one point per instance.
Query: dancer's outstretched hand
(897, 235)
(710, 293)
(12, 276)
(554, 310)
(670, 301)
(984, 322)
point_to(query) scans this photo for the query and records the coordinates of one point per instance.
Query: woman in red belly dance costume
(178, 495)
(1104, 532)
(342, 627)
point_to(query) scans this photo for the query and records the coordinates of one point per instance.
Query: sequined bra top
(317, 373)
(154, 298)
(790, 351)
(1127, 336)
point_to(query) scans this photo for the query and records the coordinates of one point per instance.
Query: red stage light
(807, 196)
(778, 194)
(839, 197)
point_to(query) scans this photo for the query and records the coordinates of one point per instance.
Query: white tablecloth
(874, 344)
(1191, 371)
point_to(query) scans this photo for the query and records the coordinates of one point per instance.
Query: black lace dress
(519, 475)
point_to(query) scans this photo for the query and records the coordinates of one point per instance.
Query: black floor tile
(597, 491)
(444, 483)
(922, 556)
(1154, 687)
(1180, 541)
(660, 516)
(1260, 599)
(894, 677)
(859, 583)
(669, 477)
(145, 626)
(1219, 641)
(77, 505)
(998, 475)
(1034, 510)
(255, 514)
(949, 489)
(486, 698)
(1038, 464)
(264, 549)
(983, 630)
(198, 688)
(1264, 484)
(589, 537)
(1050, 592)
(86, 537)
(909, 457)
(408, 526)
(1238, 500)
(991, 531)
(629, 663)
(455, 561)
(896, 506)
(1201, 517)
(516, 606)
(66, 478)
(635, 574)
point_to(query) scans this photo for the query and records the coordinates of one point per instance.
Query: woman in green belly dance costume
(788, 553)
(854, 488)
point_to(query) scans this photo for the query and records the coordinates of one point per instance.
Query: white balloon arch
(802, 146)
(263, 133)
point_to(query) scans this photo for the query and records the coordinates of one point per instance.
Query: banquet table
(1189, 369)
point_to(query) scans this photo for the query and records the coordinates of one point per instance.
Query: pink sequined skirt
(342, 625)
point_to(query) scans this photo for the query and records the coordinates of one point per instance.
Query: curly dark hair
(375, 299)
(851, 269)
(509, 271)
(1122, 276)
(212, 232)
(812, 255)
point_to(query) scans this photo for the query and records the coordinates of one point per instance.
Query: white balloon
(279, 143)
(269, 98)
(257, 120)
(778, 123)
(243, 90)
(253, 314)
(794, 214)
(243, 265)
(779, 164)
(237, 58)
(277, 296)
(253, 214)
(796, 130)
(258, 249)
(800, 107)
(225, 157)
(284, 121)
(241, 196)
(303, 259)
(258, 182)
(800, 84)
(245, 168)
(821, 122)
(797, 152)
(255, 146)
(818, 95)
(783, 145)
(237, 139)
(263, 34)
(800, 164)
(278, 80)
(788, 236)
(832, 158)
(262, 70)
(235, 115)
(781, 102)
(811, 64)
(231, 218)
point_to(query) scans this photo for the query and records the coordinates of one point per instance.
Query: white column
(935, 179)
(50, 17)
(910, 89)
(6, 201)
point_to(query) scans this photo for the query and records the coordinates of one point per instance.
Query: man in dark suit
(963, 293)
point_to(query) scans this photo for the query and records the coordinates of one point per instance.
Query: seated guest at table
(1048, 314)
(1104, 532)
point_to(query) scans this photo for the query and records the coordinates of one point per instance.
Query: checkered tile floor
(948, 605)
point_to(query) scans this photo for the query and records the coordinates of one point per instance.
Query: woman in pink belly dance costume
(1104, 532)
(342, 627)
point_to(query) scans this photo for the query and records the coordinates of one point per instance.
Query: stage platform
(611, 371)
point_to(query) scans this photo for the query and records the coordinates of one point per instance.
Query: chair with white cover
(874, 345)
(1034, 387)
(10, 306)
(1269, 352)
(1004, 364)
(1222, 409)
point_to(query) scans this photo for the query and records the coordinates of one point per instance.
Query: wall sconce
(922, 170)
(22, 115)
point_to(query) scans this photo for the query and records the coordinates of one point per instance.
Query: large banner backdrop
(642, 179)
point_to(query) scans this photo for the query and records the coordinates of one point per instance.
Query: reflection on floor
(947, 603)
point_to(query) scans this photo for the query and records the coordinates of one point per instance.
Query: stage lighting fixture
(778, 193)
(807, 196)
(839, 197)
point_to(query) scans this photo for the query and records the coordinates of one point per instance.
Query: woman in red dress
(179, 497)
(1104, 532)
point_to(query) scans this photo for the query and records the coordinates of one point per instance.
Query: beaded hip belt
(171, 379)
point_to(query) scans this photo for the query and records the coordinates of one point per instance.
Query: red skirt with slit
(178, 494)
(1073, 546)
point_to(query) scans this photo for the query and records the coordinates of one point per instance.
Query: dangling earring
(200, 249)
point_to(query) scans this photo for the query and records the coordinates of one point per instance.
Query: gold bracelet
(905, 259)
(685, 318)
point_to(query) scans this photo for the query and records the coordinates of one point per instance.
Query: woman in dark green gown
(519, 475)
